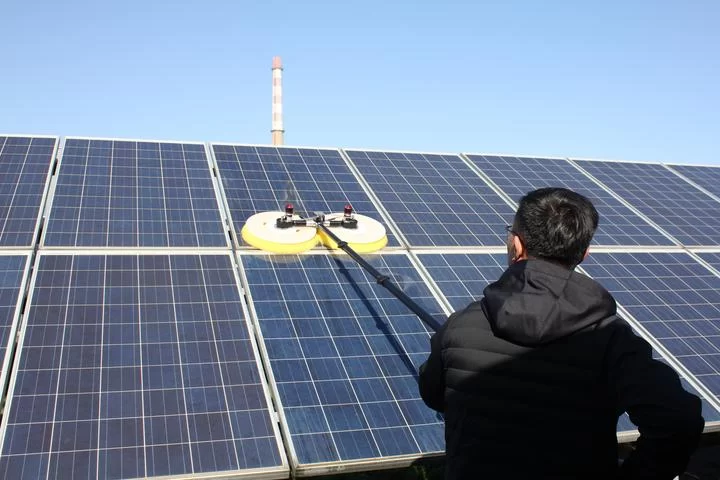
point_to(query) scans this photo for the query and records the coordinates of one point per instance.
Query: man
(533, 377)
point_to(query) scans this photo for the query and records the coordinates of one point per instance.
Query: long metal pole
(383, 280)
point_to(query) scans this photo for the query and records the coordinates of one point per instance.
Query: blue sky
(629, 80)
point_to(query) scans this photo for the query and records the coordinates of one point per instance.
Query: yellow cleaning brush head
(369, 236)
(260, 231)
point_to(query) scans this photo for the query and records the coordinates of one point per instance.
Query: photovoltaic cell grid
(344, 354)
(707, 177)
(713, 259)
(677, 207)
(260, 179)
(675, 298)
(134, 194)
(12, 269)
(618, 224)
(463, 277)
(24, 167)
(435, 200)
(134, 366)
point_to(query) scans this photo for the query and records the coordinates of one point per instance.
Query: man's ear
(519, 248)
(586, 254)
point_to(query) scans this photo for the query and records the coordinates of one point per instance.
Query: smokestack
(277, 116)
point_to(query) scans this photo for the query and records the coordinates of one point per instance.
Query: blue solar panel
(113, 193)
(137, 366)
(712, 258)
(707, 177)
(675, 299)
(679, 208)
(260, 179)
(435, 200)
(618, 224)
(463, 277)
(24, 167)
(12, 276)
(344, 355)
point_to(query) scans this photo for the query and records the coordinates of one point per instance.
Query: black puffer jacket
(532, 380)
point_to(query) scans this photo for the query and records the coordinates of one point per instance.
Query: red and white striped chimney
(277, 115)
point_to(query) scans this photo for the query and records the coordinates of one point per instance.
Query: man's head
(554, 224)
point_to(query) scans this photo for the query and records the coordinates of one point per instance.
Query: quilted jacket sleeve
(432, 374)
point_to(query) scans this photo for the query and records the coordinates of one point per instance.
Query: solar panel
(707, 177)
(675, 299)
(462, 278)
(113, 193)
(712, 258)
(435, 200)
(24, 172)
(137, 366)
(618, 224)
(677, 207)
(344, 355)
(13, 270)
(260, 179)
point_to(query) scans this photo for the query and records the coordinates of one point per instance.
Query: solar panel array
(24, 166)
(315, 181)
(675, 298)
(462, 277)
(134, 194)
(153, 342)
(713, 259)
(13, 271)
(435, 200)
(134, 366)
(344, 356)
(706, 177)
(667, 200)
(618, 226)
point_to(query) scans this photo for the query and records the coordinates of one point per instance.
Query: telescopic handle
(383, 280)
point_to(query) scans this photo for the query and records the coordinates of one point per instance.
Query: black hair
(556, 224)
